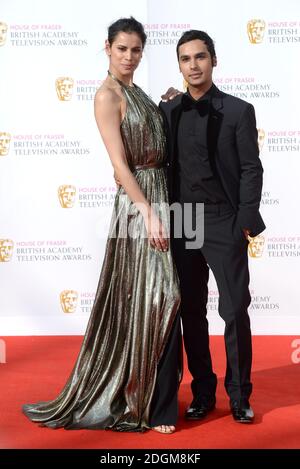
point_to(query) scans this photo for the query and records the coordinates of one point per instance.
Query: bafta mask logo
(3, 33)
(261, 138)
(6, 250)
(4, 143)
(68, 301)
(64, 88)
(256, 246)
(255, 30)
(66, 195)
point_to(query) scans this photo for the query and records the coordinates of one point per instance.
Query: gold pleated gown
(136, 302)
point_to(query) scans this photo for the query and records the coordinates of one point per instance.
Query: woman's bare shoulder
(108, 95)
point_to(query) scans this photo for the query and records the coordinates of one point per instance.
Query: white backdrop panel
(51, 247)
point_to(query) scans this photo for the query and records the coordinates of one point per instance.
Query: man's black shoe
(241, 411)
(199, 408)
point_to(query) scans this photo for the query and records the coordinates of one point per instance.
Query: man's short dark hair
(193, 34)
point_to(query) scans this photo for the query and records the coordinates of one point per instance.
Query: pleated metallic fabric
(136, 302)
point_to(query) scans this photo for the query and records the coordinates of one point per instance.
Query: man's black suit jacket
(233, 153)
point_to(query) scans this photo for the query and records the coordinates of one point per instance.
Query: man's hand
(246, 233)
(170, 94)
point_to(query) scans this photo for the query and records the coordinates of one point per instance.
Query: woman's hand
(157, 235)
(170, 94)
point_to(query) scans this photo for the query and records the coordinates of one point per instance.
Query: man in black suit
(214, 160)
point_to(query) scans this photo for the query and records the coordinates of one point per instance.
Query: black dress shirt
(195, 179)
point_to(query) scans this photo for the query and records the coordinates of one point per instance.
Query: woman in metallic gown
(126, 377)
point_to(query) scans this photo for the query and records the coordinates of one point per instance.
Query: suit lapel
(216, 117)
(215, 120)
(175, 116)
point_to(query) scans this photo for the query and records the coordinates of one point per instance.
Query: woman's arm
(108, 118)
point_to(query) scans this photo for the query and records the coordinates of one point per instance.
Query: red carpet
(37, 367)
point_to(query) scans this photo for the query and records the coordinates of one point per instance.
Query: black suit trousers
(225, 252)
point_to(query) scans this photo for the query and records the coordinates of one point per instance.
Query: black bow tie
(201, 105)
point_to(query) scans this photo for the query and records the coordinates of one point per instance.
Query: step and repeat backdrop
(56, 182)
